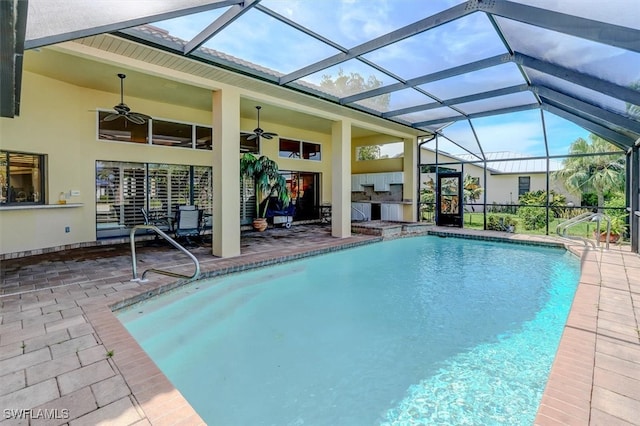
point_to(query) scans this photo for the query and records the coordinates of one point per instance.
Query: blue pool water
(422, 330)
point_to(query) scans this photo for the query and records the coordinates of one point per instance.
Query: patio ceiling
(443, 66)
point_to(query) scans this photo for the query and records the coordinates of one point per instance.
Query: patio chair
(161, 222)
(188, 224)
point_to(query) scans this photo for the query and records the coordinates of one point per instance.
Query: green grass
(476, 221)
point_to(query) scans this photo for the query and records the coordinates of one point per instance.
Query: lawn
(476, 221)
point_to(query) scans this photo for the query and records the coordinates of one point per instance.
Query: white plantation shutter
(247, 201)
(133, 194)
(124, 189)
(158, 193)
(179, 189)
(202, 188)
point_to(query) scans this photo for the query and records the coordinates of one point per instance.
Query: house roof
(433, 66)
(511, 164)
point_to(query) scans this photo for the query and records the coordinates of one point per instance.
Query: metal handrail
(364, 216)
(132, 236)
(562, 228)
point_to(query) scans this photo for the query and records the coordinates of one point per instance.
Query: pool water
(422, 330)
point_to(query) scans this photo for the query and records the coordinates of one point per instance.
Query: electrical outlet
(67, 229)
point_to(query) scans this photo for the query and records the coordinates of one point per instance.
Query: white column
(341, 179)
(410, 187)
(226, 173)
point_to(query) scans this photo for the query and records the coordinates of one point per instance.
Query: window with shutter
(124, 189)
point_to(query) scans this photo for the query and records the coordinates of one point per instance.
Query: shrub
(500, 223)
(532, 217)
(557, 202)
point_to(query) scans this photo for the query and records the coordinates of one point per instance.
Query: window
(524, 184)
(21, 178)
(121, 129)
(204, 138)
(163, 132)
(168, 133)
(124, 189)
(311, 151)
(289, 148)
(297, 149)
(249, 145)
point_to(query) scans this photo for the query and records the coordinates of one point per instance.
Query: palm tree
(592, 173)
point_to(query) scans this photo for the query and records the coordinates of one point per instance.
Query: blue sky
(258, 38)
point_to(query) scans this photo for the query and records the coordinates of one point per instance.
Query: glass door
(449, 199)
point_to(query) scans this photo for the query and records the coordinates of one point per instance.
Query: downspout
(418, 179)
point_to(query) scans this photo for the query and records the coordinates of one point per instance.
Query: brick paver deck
(66, 359)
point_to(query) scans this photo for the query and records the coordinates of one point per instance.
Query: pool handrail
(132, 236)
(364, 216)
(597, 217)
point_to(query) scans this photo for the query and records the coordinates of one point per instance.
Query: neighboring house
(507, 176)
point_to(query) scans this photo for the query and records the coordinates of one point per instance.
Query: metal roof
(447, 66)
(511, 164)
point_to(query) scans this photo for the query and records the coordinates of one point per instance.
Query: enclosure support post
(633, 188)
(341, 179)
(226, 173)
(548, 197)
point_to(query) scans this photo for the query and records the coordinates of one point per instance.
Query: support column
(410, 186)
(226, 173)
(341, 179)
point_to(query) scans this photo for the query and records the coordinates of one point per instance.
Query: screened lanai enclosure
(534, 104)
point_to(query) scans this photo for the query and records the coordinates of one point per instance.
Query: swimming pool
(422, 330)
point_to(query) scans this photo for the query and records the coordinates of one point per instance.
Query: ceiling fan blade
(112, 117)
(269, 134)
(266, 136)
(135, 119)
(251, 137)
(141, 115)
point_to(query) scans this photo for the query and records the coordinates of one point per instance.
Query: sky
(258, 38)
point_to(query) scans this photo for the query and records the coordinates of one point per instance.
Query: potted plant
(268, 182)
(618, 228)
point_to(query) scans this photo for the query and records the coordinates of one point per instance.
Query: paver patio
(63, 350)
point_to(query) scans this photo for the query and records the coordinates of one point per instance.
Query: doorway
(449, 209)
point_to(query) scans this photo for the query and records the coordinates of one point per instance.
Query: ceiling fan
(122, 110)
(258, 132)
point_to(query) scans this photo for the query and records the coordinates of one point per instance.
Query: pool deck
(62, 349)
